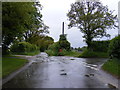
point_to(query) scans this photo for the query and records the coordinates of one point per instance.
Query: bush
(53, 49)
(59, 48)
(55, 46)
(114, 47)
(100, 46)
(62, 37)
(51, 53)
(63, 52)
(23, 47)
(92, 54)
(64, 44)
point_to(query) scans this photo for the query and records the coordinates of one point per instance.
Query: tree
(114, 47)
(37, 27)
(41, 41)
(92, 18)
(64, 44)
(14, 17)
(20, 20)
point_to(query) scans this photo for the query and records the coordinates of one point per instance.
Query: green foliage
(11, 64)
(114, 47)
(32, 53)
(92, 18)
(63, 52)
(43, 42)
(112, 66)
(72, 53)
(91, 54)
(81, 49)
(100, 46)
(23, 47)
(51, 53)
(20, 21)
(64, 44)
(62, 37)
(53, 49)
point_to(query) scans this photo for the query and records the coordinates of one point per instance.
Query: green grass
(63, 53)
(112, 66)
(73, 54)
(29, 53)
(11, 64)
(92, 54)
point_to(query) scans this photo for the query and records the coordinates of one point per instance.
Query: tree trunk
(89, 42)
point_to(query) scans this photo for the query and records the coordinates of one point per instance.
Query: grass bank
(28, 53)
(112, 67)
(11, 64)
(71, 53)
(93, 54)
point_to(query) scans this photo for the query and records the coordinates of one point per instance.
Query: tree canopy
(92, 18)
(20, 21)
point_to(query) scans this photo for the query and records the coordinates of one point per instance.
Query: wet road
(62, 72)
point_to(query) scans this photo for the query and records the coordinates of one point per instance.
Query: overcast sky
(54, 13)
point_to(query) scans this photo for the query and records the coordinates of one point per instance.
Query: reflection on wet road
(62, 72)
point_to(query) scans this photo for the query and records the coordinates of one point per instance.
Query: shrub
(114, 47)
(51, 53)
(100, 46)
(63, 52)
(62, 37)
(64, 44)
(55, 46)
(23, 47)
(53, 49)
(92, 54)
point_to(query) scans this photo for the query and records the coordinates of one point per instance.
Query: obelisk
(63, 28)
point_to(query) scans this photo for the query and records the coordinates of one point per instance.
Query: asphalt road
(62, 72)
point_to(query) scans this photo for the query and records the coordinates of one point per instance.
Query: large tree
(20, 19)
(37, 27)
(92, 18)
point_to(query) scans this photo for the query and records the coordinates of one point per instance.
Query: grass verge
(112, 66)
(73, 53)
(63, 53)
(11, 64)
(28, 53)
(92, 54)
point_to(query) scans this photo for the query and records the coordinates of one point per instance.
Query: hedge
(114, 47)
(23, 47)
(100, 46)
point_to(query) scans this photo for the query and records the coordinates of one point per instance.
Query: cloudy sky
(54, 13)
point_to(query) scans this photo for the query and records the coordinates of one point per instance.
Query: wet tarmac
(62, 72)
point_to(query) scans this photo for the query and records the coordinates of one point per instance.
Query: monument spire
(63, 28)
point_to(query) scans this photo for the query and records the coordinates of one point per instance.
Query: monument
(63, 28)
(63, 42)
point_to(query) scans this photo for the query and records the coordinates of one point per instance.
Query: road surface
(62, 72)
